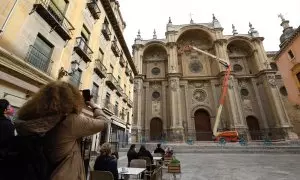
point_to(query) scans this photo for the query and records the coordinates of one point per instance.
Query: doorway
(202, 125)
(156, 129)
(253, 127)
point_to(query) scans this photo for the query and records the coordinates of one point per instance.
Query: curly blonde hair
(105, 149)
(56, 98)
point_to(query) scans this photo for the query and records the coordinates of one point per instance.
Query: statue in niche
(174, 85)
(247, 104)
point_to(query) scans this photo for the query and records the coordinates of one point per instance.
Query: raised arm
(83, 126)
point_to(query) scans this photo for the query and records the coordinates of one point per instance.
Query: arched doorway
(253, 127)
(202, 125)
(156, 129)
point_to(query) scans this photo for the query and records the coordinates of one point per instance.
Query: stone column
(260, 106)
(148, 104)
(164, 107)
(174, 92)
(138, 105)
(260, 55)
(278, 107)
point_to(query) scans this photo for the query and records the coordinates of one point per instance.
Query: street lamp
(74, 67)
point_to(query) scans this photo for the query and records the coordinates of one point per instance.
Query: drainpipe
(7, 18)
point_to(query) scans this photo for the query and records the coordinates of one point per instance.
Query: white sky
(148, 15)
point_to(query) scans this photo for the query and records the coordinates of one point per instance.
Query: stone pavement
(218, 166)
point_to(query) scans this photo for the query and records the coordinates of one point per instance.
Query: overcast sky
(147, 15)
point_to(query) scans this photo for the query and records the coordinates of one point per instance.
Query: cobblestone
(235, 166)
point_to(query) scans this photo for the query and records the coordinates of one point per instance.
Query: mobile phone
(86, 93)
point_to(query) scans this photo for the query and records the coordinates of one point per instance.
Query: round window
(195, 66)
(155, 95)
(155, 71)
(283, 91)
(237, 68)
(244, 92)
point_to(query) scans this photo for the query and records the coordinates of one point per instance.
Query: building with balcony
(40, 42)
(287, 60)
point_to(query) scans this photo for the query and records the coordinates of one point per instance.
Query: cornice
(112, 18)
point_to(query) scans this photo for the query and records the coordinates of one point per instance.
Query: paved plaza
(219, 166)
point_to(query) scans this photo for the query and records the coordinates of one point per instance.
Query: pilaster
(259, 102)
(278, 107)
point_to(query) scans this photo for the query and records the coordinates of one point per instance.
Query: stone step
(210, 147)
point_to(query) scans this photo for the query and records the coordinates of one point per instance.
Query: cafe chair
(100, 175)
(138, 163)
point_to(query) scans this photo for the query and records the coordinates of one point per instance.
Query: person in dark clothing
(106, 162)
(7, 129)
(145, 153)
(131, 154)
(159, 150)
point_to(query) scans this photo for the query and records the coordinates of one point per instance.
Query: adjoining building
(78, 41)
(177, 92)
(288, 62)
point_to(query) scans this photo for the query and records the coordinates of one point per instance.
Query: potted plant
(174, 166)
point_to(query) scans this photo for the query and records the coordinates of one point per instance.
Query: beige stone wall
(20, 33)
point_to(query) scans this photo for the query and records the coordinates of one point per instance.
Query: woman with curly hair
(56, 110)
(106, 162)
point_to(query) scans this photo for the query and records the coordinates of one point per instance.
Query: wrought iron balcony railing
(122, 61)
(108, 107)
(130, 103)
(49, 11)
(125, 97)
(119, 91)
(94, 8)
(100, 69)
(105, 31)
(115, 48)
(116, 111)
(131, 79)
(39, 60)
(127, 71)
(111, 81)
(83, 50)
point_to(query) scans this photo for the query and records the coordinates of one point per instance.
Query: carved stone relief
(155, 108)
(174, 84)
(247, 104)
(272, 81)
(156, 56)
(137, 87)
(199, 95)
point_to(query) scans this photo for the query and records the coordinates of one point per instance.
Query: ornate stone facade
(178, 99)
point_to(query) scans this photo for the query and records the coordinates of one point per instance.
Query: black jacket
(107, 163)
(131, 154)
(146, 153)
(159, 150)
(7, 129)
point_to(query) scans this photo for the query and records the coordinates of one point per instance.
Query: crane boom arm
(224, 86)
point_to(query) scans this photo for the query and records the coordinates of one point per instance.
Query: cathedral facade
(177, 92)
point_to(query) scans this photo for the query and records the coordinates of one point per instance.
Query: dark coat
(131, 154)
(159, 150)
(107, 163)
(7, 129)
(146, 153)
